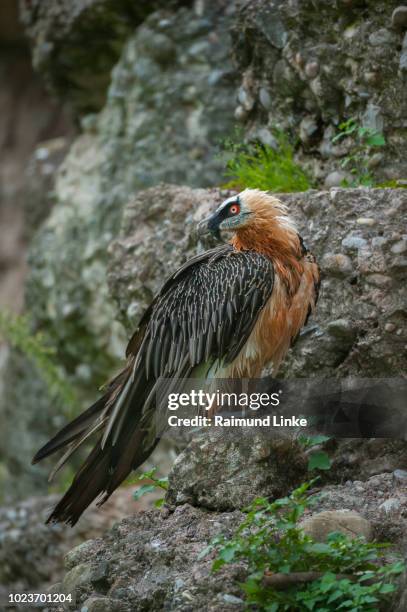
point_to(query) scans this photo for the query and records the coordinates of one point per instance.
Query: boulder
(350, 523)
(227, 471)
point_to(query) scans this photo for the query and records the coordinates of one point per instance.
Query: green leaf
(228, 553)
(387, 588)
(148, 474)
(143, 490)
(162, 482)
(217, 564)
(319, 461)
(376, 140)
(159, 502)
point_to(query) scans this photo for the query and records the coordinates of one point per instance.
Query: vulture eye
(234, 209)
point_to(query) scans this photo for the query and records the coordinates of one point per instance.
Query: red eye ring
(234, 209)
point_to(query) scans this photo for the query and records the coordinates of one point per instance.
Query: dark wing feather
(204, 312)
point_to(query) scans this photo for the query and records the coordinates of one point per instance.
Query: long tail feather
(125, 438)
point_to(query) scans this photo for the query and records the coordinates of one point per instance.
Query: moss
(263, 167)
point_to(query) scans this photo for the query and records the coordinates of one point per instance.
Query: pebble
(265, 98)
(400, 476)
(381, 37)
(390, 327)
(337, 263)
(399, 247)
(246, 99)
(308, 127)
(267, 138)
(240, 113)
(341, 328)
(390, 505)
(312, 69)
(368, 221)
(335, 179)
(399, 17)
(353, 243)
(232, 599)
(375, 160)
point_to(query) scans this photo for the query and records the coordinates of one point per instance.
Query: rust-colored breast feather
(295, 291)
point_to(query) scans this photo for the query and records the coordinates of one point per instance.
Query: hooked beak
(210, 224)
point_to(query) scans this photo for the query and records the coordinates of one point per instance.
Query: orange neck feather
(272, 234)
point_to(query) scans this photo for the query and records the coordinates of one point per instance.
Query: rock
(353, 242)
(335, 179)
(308, 130)
(390, 505)
(403, 55)
(222, 472)
(312, 69)
(381, 37)
(338, 264)
(399, 17)
(351, 524)
(400, 476)
(265, 98)
(32, 554)
(76, 578)
(143, 576)
(102, 604)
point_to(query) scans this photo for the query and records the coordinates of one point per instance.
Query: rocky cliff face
(152, 561)
(307, 65)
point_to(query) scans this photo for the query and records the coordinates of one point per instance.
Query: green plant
(365, 139)
(318, 459)
(340, 574)
(263, 167)
(16, 330)
(156, 483)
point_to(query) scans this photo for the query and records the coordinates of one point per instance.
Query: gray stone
(337, 264)
(399, 17)
(266, 138)
(102, 604)
(222, 472)
(390, 505)
(272, 26)
(400, 476)
(335, 179)
(232, 599)
(403, 55)
(381, 37)
(350, 523)
(308, 129)
(79, 576)
(353, 242)
(312, 69)
(265, 98)
(373, 118)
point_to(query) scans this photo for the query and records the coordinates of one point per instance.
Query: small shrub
(156, 483)
(318, 459)
(270, 541)
(262, 167)
(16, 330)
(356, 162)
